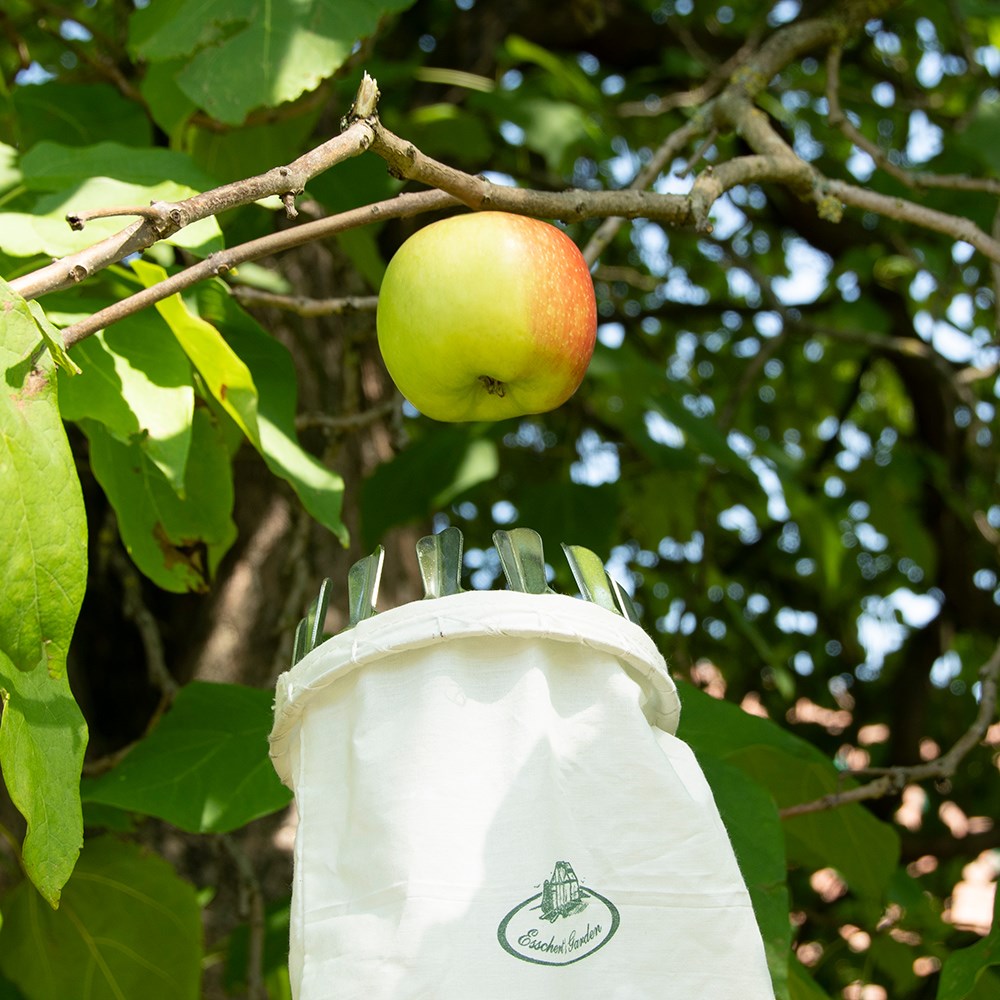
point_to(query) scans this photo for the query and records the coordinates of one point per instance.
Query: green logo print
(564, 923)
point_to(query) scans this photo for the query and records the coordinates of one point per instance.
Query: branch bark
(163, 219)
(733, 110)
(402, 206)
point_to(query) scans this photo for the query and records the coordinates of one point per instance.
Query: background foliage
(786, 445)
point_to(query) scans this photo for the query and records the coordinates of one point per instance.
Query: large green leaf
(42, 741)
(256, 388)
(44, 574)
(45, 230)
(720, 728)
(177, 542)
(849, 838)
(42, 521)
(205, 767)
(128, 927)
(136, 381)
(751, 818)
(257, 54)
(51, 166)
(79, 114)
(801, 985)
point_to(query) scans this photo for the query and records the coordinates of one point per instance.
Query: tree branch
(893, 780)
(301, 305)
(402, 206)
(163, 219)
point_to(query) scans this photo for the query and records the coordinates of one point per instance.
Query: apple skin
(487, 316)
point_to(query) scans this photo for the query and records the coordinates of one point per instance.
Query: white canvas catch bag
(493, 806)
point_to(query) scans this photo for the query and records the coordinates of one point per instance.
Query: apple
(487, 316)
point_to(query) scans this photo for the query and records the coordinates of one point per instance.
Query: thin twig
(347, 421)
(402, 206)
(914, 180)
(77, 220)
(894, 779)
(658, 162)
(170, 217)
(301, 305)
(134, 608)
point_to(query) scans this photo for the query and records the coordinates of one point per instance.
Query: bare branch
(300, 305)
(170, 217)
(894, 779)
(153, 212)
(406, 161)
(347, 421)
(907, 211)
(402, 206)
(837, 118)
(660, 160)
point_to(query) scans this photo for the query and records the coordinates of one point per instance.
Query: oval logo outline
(585, 892)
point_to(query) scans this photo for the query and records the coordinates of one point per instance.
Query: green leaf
(320, 489)
(402, 489)
(128, 927)
(267, 419)
(42, 741)
(53, 341)
(51, 166)
(963, 969)
(751, 818)
(265, 53)
(8, 991)
(167, 103)
(863, 849)
(136, 380)
(45, 230)
(849, 838)
(225, 374)
(801, 985)
(720, 728)
(205, 767)
(79, 114)
(42, 520)
(237, 153)
(176, 542)
(10, 173)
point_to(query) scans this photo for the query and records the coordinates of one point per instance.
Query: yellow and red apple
(487, 316)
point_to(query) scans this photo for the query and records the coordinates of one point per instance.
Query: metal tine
(301, 638)
(440, 560)
(362, 586)
(588, 571)
(624, 601)
(523, 559)
(318, 615)
(309, 631)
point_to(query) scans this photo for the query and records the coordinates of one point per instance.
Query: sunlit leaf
(42, 518)
(43, 737)
(205, 767)
(270, 54)
(136, 381)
